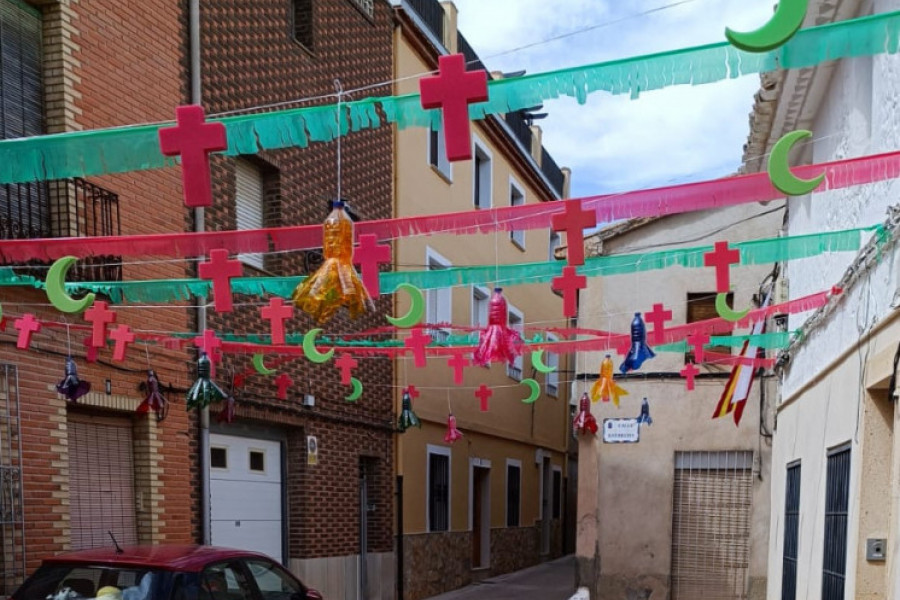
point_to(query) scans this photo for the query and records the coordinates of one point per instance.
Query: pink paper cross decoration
(26, 325)
(283, 382)
(722, 258)
(689, 372)
(483, 393)
(452, 90)
(458, 362)
(220, 270)
(193, 138)
(417, 341)
(657, 317)
(569, 284)
(574, 221)
(123, 336)
(368, 255)
(277, 313)
(100, 316)
(346, 363)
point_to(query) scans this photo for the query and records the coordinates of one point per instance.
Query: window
(516, 198)
(554, 244)
(224, 581)
(366, 6)
(302, 22)
(24, 207)
(438, 302)
(517, 322)
(437, 153)
(258, 461)
(837, 502)
(480, 300)
(482, 177)
(551, 359)
(218, 458)
(249, 194)
(513, 492)
(438, 488)
(273, 582)
(702, 306)
(791, 533)
(557, 492)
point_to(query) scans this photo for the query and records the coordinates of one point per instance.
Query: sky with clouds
(612, 143)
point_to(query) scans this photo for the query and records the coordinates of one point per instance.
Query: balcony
(62, 208)
(552, 171)
(520, 128)
(432, 14)
(473, 63)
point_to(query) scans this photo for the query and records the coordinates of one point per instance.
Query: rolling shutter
(101, 481)
(249, 193)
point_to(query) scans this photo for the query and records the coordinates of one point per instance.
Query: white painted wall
(823, 390)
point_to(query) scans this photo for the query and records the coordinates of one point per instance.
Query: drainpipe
(200, 225)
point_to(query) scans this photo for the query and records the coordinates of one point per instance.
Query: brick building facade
(93, 466)
(277, 52)
(105, 63)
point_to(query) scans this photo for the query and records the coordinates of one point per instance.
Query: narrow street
(554, 580)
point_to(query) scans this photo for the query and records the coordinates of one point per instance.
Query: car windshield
(80, 582)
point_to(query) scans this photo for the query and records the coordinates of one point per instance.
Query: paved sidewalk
(553, 580)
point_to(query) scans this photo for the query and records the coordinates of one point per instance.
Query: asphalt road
(553, 580)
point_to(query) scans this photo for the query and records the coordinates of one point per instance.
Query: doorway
(481, 517)
(546, 498)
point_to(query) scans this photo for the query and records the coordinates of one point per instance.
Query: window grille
(791, 533)
(438, 492)
(837, 498)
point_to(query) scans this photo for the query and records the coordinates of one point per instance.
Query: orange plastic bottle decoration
(335, 283)
(606, 387)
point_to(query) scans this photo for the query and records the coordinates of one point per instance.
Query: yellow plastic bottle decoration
(606, 387)
(335, 283)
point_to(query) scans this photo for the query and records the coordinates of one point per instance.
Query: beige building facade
(683, 512)
(493, 501)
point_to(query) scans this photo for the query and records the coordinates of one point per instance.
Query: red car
(168, 572)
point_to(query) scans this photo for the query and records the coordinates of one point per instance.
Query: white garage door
(245, 494)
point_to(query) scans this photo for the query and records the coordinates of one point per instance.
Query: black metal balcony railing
(63, 208)
(473, 63)
(520, 128)
(432, 14)
(552, 171)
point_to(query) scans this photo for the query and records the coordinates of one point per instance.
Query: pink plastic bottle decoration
(498, 342)
(453, 433)
(584, 421)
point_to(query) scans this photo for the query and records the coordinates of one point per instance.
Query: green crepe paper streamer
(752, 252)
(769, 341)
(121, 149)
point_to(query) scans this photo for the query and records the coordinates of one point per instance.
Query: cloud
(613, 143)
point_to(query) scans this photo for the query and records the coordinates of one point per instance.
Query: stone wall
(436, 562)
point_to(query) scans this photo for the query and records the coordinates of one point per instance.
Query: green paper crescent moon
(260, 367)
(357, 390)
(416, 308)
(785, 22)
(535, 388)
(726, 312)
(56, 288)
(780, 171)
(537, 361)
(309, 347)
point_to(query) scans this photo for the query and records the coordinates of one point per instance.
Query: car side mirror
(313, 595)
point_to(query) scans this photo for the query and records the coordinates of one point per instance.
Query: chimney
(450, 24)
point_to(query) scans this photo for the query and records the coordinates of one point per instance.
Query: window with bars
(712, 499)
(24, 207)
(791, 533)
(837, 502)
(438, 490)
(513, 493)
(438, 301)
(516, 320)
(551, 359)
(302, 22)
(700, 307)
